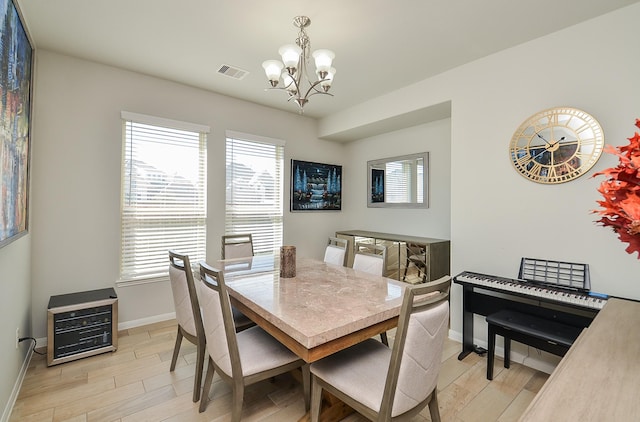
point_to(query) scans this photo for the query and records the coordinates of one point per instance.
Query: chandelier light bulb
(289, 84)
(328, 79)
(290, 56)
(273, 69)
(323, 59)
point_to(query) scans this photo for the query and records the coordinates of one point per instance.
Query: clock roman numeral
(588, 141)
(583, 128)
(535, 169)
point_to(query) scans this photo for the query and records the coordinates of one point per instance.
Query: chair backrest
(370, 258)
(417, 349)
(185, 297)
(217, 318)
(237, 246)
(336, 251)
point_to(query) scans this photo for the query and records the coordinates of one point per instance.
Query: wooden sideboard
(598, 379)
(436, 253)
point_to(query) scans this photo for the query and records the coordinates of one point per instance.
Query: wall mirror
(399, 182)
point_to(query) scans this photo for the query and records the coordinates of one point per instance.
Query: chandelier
(295, 59)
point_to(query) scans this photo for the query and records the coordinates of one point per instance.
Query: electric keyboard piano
(550, 289)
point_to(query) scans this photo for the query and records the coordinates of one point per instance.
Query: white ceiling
(380, 45)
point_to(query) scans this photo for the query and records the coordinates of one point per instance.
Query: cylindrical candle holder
(287, 261)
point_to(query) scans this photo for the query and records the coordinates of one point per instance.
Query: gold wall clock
(556, 145)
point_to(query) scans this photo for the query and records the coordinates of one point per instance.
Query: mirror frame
(375, 164)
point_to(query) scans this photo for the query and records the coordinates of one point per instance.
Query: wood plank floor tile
(58, 397)
(137, 403)
(161, 411)
(134, 384)
(517, 407)
(124, 368)
(82, 407)
(487, 405)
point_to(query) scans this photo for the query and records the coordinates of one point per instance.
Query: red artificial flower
(621, 192)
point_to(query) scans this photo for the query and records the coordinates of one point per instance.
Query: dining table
(323, 309)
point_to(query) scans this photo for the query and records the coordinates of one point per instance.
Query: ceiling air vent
(232, 72)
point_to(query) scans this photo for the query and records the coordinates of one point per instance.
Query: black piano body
(485, 294)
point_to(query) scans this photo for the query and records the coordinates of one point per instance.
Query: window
(163, 204)
(254, 189)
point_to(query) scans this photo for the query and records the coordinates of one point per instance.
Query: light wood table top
(322, 310)
(599, 378)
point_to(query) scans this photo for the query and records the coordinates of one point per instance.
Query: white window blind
(163, 204)
(254, 190)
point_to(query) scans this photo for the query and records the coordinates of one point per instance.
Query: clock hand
(559, 140)
(540, 136)
(539, 154)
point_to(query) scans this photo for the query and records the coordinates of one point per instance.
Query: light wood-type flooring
(134, 384)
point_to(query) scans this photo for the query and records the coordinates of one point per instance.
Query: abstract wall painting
(16, 63)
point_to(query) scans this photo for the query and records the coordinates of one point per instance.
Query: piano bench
(541, 333)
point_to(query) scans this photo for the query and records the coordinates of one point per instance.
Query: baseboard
(16, 387)
(146, 321)
(530, 360)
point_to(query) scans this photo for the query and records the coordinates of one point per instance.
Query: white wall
(76, 175)
(497, 216)
(15, 305)
(435, 138)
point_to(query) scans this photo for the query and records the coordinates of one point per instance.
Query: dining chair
(371, 259)
(188, 315)
(237, 246)
(243, 358)
(336, 251)
(409, 382)
(416, 255)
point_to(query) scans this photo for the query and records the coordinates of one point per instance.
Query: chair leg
(306, 385)
(176, 350)
(406, 267)
(237, 398)
(316, 399)
(207, 386)
(434, 411)
(491, 352)
(383, 338)
(197, 382)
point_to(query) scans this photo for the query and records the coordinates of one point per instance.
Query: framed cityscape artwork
(315, 186)
(15, 111)
(377, 185)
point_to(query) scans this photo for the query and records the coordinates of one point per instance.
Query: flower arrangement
(621, 192)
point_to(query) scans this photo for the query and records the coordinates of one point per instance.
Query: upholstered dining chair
(409, 382)
(188, 314)
(237, 246)
(243, 358)
(336, 251)
(371, 259)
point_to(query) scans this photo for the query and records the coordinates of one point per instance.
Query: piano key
(529, 289)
